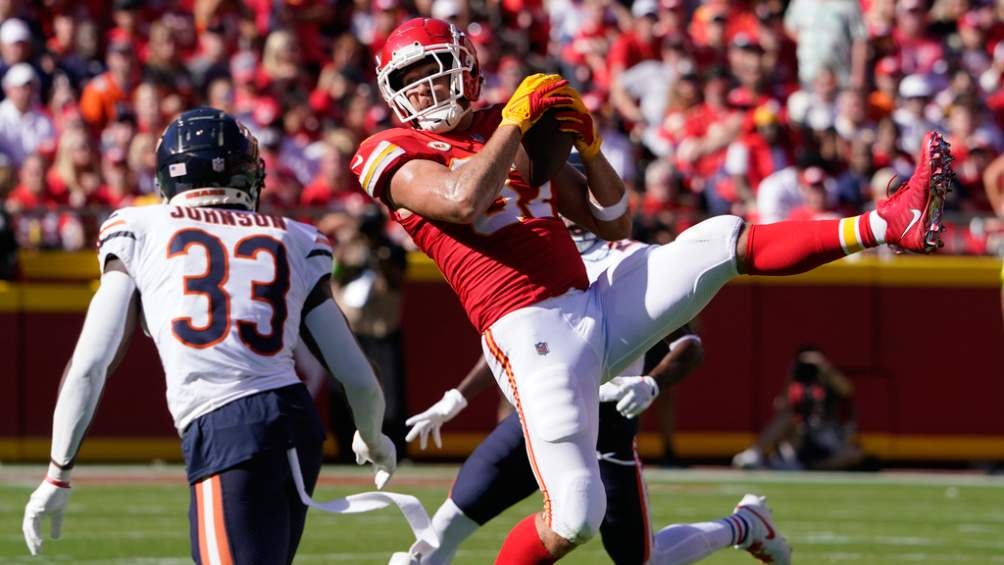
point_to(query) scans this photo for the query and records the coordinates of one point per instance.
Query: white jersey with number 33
(222, 293)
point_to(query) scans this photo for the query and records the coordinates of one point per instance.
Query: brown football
(545, 150)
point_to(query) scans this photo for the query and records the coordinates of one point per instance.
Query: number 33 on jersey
(235, 275)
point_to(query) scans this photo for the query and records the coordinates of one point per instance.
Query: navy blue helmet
(207, 158)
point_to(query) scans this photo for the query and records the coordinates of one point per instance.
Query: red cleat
(913, 213)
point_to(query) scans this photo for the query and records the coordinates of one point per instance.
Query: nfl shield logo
(542, 348)
(219, 164)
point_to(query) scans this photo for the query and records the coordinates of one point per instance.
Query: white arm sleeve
(104, 328)
(348, 364)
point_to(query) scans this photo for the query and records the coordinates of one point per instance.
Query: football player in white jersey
(226, 294)
(498, 473)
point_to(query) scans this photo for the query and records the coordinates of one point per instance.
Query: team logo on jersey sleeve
(542, 348)
(440, 145)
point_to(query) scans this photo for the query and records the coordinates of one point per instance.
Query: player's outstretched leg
(496, 476)
(909, 220)
(750, 527)
(763, 540)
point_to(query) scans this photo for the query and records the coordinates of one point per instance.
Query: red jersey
(514, 255)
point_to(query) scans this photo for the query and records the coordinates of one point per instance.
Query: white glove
(47, 500)
(383, 457)
(633, 394)
(432, 419)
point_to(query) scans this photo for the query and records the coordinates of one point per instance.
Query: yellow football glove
(575, 118)
(535, 95)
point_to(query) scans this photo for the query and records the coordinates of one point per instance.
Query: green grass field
(138, 515)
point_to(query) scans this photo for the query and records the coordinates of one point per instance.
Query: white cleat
(763, 541)
(404, 558)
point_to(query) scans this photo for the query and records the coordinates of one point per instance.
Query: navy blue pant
(497, 475)
(244, 507)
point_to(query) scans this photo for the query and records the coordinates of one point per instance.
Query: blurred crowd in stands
(763, 108)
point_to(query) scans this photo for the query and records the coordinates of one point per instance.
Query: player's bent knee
(714, 228)
(578, 507)
(553, 404)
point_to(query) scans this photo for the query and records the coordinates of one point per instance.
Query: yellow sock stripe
(850, 237)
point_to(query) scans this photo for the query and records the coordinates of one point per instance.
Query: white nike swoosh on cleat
(916, 216)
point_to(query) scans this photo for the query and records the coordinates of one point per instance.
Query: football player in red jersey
(550, 337)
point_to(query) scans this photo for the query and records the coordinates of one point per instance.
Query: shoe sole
(940, 185)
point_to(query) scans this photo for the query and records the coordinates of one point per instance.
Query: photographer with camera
(812, 427)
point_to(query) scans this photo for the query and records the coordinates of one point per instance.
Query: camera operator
(812, 427)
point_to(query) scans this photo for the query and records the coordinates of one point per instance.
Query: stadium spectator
(787, 189)
(141, 162)
(106, 93)
(828, 34)
(915, 92)
(640, 93)
(780, 50)
(709, 34)
(163, 66)
(244, 70)
(333, 187)
(852, 120)
(637, 44)
(665, 209)
(820, 98)
(119, 187)
(146, 107)
(812, 426)
(854, 184)
(32, 191)
(281, 65)
(754, 156)
(15, 44)
(919, 52)
(211, 59)
(24, 126)
(75, 174)
(220, 94)
(709, 129)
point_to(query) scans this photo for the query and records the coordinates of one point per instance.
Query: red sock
(523, 546)
(788, 248)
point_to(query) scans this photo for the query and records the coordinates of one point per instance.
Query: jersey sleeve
(312, 251)
(118, 237)
(319, 258)
(381, 155)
